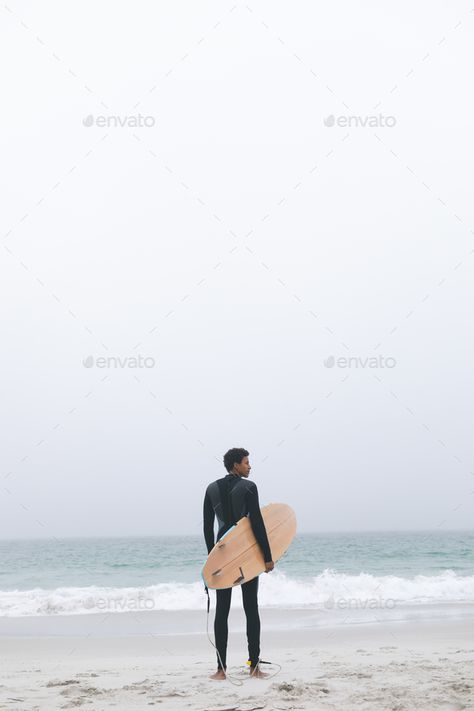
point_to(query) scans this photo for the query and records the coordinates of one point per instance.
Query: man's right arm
(208, 522)
(257, 523)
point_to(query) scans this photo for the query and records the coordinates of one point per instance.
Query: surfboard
(237, 557)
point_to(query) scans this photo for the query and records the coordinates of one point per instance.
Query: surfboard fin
(239, 580)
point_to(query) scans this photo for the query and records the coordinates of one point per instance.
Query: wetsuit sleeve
(208, 522)
(256, 520)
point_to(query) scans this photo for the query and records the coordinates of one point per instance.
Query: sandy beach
(123, 662)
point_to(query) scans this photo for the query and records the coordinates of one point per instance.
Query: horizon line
(199, 535)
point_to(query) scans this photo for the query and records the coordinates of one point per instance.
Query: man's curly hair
(234, 456)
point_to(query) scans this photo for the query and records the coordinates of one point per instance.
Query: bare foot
(220, 674)
(255, 671)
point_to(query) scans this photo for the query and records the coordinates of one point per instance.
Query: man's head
(236, 461)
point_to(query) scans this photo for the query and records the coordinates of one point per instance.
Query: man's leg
(250, 601)
(223, 598)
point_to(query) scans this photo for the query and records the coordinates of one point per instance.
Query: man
(229, 499)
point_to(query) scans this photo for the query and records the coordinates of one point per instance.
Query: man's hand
(269, 566)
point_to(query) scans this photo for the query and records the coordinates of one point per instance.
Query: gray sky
(286, 242)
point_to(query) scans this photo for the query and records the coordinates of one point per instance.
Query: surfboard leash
(261, 661)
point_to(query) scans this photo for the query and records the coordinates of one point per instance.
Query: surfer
(229, 499)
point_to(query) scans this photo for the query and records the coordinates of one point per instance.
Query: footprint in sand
(83, 691)
(72, 704)
(460, 686)
(87, 674)
(62, 682)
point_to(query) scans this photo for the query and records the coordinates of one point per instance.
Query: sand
(136, 661)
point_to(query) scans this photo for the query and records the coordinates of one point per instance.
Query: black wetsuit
(229, 499)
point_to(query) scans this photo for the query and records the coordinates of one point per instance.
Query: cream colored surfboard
(237, 557)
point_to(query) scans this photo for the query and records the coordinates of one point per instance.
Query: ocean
(331, 571)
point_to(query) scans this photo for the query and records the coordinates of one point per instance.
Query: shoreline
(193, 622)
(420, 633)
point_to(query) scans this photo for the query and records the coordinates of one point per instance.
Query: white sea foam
(329, 590)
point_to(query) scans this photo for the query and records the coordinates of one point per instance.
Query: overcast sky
(236, 225)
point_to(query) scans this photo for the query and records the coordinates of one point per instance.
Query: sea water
(371, 570)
